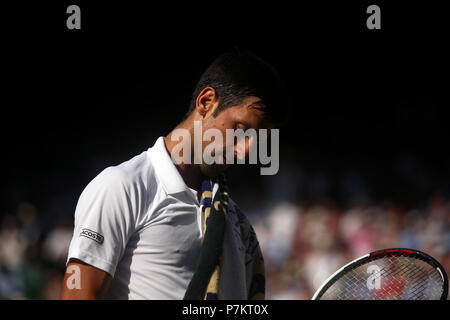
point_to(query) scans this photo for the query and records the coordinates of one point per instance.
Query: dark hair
(237, 75)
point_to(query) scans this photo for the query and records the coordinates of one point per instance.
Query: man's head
(238, 91)
(237, 75)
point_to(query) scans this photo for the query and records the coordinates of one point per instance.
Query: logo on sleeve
(92, 235)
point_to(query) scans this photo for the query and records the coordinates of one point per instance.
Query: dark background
(80, 100)
(370, 107)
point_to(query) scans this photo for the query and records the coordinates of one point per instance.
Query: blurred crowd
(32, 256)
(302, 243)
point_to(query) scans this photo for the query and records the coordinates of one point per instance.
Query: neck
(190, 173)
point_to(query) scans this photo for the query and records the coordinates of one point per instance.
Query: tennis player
(150, 228)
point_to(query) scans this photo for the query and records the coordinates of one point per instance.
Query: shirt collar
(165, 168)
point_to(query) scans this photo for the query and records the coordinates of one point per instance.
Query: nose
(243, 146)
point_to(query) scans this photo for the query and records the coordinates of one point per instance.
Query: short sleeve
(104, 220)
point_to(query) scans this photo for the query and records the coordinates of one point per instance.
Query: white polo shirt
(140, 223)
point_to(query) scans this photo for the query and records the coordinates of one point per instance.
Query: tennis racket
(389, 274)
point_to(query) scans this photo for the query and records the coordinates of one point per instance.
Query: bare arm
(84, 282)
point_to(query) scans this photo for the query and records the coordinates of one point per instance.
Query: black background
(76, 101)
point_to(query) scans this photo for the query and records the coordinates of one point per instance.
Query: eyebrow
(257, 105)
(245, 123)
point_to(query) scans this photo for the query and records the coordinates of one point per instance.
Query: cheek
(216, 124)
(226, 119)
(222, 125)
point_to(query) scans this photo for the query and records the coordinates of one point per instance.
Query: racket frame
(375, 255)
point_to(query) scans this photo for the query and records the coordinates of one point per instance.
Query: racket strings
(396, 277)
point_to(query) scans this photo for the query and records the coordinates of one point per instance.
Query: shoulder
(134, 177)
(127, 189)
(136, 172)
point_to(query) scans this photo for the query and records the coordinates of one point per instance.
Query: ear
(207, 102)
